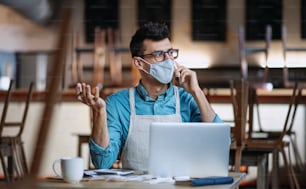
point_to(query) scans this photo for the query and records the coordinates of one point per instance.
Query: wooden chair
(239, 155)
(242, 142)
(262, 83)
(12, 145)
(265, 133)
(5, 150)
(291, 117)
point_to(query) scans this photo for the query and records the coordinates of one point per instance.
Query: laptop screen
(189, 149)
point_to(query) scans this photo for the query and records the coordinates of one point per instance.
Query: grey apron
(135, 152)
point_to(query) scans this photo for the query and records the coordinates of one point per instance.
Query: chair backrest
(26, 108)
(5, 106)
(21, 123)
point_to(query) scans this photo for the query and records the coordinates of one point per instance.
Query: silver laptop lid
(189, 149)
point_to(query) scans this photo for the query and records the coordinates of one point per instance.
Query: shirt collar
(143, 93)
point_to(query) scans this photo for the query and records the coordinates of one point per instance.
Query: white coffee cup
(72, 169)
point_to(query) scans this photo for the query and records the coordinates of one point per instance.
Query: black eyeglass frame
(161, 55)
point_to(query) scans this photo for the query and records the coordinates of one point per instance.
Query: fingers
(97, 93)
(86, 96)
(187, 78)
(89, 97)
(177, 73)
(185, 75)
(185, 72)
(88, 92)
(83, 92)
(78, 89)
(181, 73)
(84, 89)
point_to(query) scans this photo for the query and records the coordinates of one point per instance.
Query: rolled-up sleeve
(102, 158)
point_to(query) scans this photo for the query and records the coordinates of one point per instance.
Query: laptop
(189, 149)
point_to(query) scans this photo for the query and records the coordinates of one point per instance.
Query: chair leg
(275, 170)
(20, 158)
(294, 177)
(24, 160)
(10, 165)
(19, 164)
(15, 160)
(262, 173)
(291, 174)
(297, 155)
(238, 154)
(4, 167)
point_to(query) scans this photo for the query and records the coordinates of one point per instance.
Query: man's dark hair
(152, 30)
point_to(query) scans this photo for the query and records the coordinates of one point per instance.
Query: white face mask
(161, 71)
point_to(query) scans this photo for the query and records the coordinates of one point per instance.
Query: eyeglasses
(161, 55)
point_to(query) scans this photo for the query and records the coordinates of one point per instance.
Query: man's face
(151, 46)
(154, 52)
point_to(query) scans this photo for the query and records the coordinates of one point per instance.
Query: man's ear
(137, 62)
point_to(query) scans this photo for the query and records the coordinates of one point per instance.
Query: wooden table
(102, 184)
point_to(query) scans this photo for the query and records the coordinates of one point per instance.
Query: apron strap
(177, 97)
(132, 101)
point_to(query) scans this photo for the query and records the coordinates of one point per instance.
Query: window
(209, 20)
(303, 19)
(259, 14)
(100, 13)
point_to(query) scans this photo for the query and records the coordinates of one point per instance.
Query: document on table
(115, 175)
(114, 171)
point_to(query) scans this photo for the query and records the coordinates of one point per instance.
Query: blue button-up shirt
(118, 118)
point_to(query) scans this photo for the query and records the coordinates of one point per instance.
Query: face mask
(161, 71)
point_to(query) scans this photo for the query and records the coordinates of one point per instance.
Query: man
(121, 124)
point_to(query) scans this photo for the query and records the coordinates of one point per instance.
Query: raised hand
(85, 95)
(186, 78)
